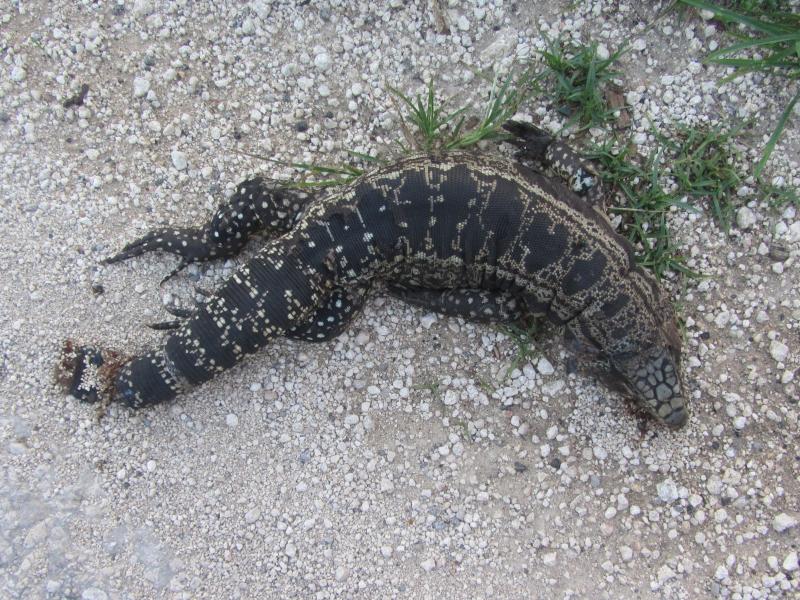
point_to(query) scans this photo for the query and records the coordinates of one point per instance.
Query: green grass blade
(756, 42)
(773, 140)
(729, 15)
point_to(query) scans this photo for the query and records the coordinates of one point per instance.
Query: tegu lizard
(460, 233)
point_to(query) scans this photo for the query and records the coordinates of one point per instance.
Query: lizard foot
(87, 372)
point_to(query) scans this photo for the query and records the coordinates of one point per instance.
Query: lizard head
(653, 379)
(644, 365)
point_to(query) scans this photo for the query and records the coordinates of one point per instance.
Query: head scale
(641, 359)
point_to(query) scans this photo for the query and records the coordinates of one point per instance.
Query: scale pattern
(463, 234)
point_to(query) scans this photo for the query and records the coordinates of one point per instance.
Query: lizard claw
(531, 140)
(192, 245)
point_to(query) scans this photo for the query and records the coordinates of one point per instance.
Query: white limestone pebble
(428, 320)
(322, 61)
(790, 562)
(783, 521)
(544, 366)
(745, 218)
(179, 160)
(667, 491)
(778, 351)
(18, 73)
(231, 420)
(252, 515)
(141, 86)
(428, 565)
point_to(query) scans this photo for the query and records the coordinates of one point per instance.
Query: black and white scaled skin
(462, 234)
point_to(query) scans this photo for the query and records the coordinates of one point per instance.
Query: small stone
(667, 491)
(778, 252)
(721, 573)
(428, 565)
(356, 89)
(790, 562)
(626, 553)
(140, 87)
(322, 61)
(386, 551)
(782, 522)
(545, 367)
(665, 574)
(778, 350)
(252, 515)
(745, 218)
(544, 450)
(179, 160)
(305, 83)
(550, 558)
(341, 573)
(427, 320)
(231, 420)
(362, 338)
(463, 23)
(290, 550)
(18, 74)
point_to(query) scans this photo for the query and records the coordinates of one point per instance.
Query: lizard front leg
(329, 321)
(537, 145)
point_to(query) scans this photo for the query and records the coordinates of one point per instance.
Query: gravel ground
(395, 461)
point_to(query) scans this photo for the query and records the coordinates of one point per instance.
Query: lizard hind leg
(256, 205)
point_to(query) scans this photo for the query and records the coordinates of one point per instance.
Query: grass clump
(523, 338)
(771, 45)
(645, 207)
(703, 165)
(436, 128)
(577, 78)
(428, 126)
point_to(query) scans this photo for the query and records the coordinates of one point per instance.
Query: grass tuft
(436, 128)
(577, 78)
(523, 339)
(770, 46)
(645, 205)
(703, 164)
